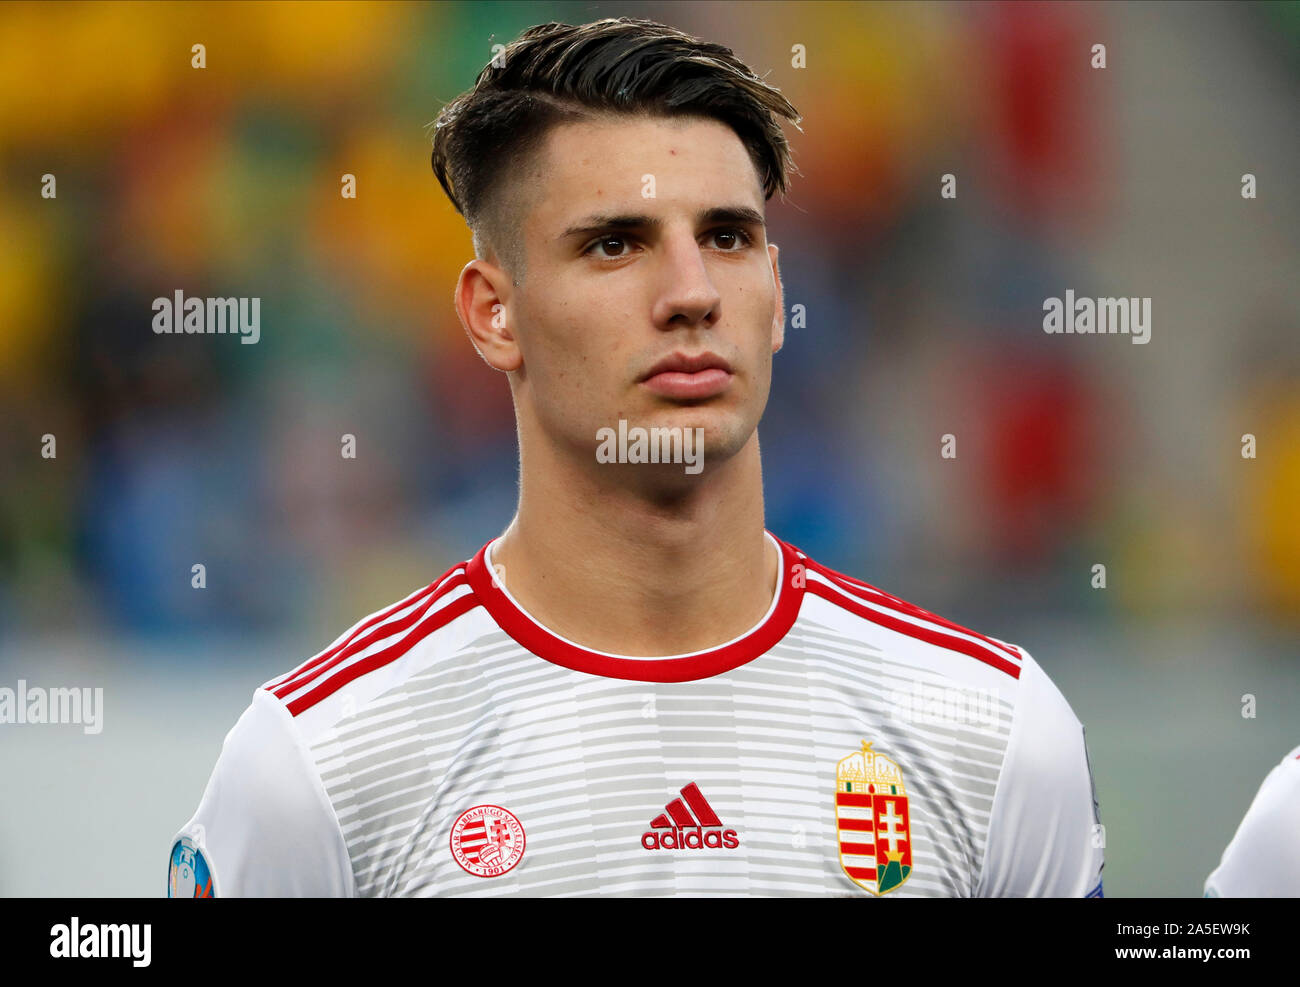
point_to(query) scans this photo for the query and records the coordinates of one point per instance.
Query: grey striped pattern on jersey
(585, 762)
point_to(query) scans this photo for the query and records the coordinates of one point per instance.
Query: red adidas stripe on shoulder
(332, 683)
(876, 595)
(361, 628)
(324, 675)
(852, 594)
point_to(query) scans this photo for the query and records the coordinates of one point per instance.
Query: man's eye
(604, 240)
(736, 234)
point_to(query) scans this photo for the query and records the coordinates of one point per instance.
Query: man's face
(603, 304)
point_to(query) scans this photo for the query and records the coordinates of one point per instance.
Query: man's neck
(620, 570)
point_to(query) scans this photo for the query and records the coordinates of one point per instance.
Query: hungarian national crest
(872, 821)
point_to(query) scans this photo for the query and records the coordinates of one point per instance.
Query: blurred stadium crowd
(924, 315)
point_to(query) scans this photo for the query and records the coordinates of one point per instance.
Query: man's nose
(687, 295)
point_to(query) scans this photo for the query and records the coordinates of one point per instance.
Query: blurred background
(924, 317)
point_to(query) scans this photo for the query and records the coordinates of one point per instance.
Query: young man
(636, 689)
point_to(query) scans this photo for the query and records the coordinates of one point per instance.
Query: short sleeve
(264, 827)
(1045, 837)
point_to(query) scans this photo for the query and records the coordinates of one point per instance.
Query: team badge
(189, 875)
(872, 822)
(487, 840)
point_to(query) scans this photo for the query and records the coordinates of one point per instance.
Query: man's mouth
(690, 378)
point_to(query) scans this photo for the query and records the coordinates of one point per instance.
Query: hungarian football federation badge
(487, 840)
(872, 821)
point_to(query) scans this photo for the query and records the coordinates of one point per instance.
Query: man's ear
(482, 300)
(778, 320)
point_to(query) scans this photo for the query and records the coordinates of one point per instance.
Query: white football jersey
(850, 743)
(1263, 858)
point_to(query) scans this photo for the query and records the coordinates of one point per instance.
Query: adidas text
(690, 839)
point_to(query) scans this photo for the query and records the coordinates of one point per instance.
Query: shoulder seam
(318, 784)
(997, 788)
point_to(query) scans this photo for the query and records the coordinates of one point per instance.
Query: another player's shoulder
(858, 607)
(377, 653)
(1281, 788)
(1263, 857)
(1280, 793)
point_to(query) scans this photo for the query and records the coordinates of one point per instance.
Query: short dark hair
(558, 73)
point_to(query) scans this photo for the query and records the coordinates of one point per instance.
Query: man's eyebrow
(633, 221)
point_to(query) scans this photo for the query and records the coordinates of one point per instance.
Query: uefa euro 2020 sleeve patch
(189, 875)
(872, 821)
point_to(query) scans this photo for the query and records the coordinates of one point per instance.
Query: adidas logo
(676, 829)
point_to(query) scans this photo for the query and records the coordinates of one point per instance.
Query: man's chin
(686, 441)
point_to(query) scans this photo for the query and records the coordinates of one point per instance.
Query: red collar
(526, 631)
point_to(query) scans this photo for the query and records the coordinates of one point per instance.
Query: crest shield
(873, 824)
